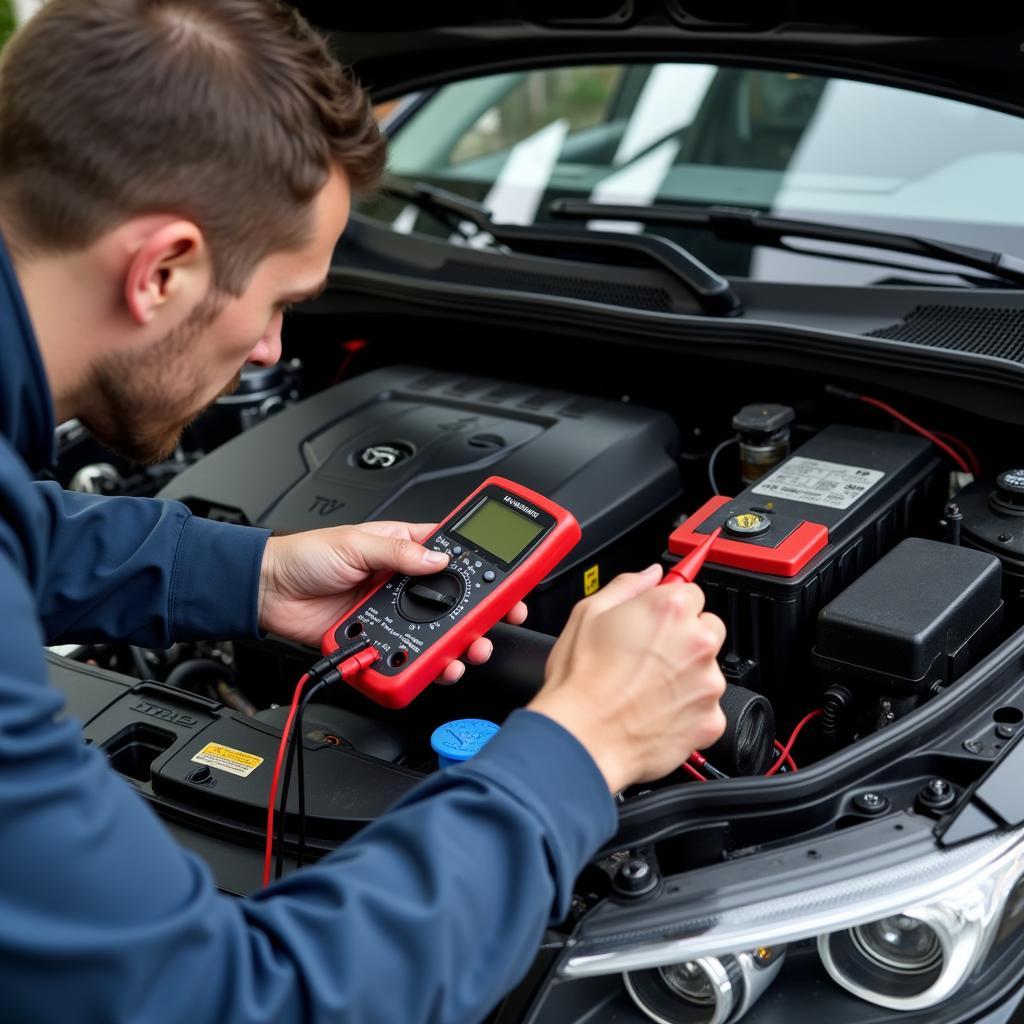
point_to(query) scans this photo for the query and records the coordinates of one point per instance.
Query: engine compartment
(862, 572)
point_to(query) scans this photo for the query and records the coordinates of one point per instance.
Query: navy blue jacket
(430, 914)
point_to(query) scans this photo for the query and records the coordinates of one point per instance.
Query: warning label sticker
(238, 762)
(815, 482)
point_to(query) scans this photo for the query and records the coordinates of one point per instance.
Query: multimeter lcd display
(499, 530)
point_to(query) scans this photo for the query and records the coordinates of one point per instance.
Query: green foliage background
(6, 20)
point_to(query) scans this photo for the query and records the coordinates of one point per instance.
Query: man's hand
(309, 580)
(634, 677)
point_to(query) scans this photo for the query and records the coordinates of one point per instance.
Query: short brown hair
(228, 112)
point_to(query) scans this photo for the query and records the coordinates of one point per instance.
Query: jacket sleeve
(429, 915)
(144, 571)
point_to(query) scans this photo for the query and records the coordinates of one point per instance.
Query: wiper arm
(737, 224)
(713, 292)
(448, 207)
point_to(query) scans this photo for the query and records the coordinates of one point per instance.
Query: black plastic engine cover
(407, 443)
(206, 769)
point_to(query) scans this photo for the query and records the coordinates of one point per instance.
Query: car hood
(975, 53)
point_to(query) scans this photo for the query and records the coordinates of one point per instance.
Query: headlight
(710, 990)
(900, 948)
(915, 959)
(904, 934)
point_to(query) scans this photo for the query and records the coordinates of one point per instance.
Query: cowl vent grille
(996, 331)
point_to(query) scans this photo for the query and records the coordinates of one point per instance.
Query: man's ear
(168, 273)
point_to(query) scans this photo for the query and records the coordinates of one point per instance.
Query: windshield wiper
(737, 224)
(713, 292)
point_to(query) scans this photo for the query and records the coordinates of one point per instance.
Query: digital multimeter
(501, 542)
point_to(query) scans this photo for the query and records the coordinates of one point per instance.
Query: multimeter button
(429, 598)
(456, 550)
(489, 576)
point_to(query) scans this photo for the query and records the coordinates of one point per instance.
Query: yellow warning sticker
(592, 580)
(238, 762)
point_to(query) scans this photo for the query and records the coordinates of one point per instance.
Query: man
(174, 173)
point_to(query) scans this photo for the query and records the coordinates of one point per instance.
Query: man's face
(144, 399)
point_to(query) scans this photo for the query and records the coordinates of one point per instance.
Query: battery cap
(765, 418)
(455, 742)
(1009, 494)
(748, 524)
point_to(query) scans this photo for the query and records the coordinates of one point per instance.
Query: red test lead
(685, 570)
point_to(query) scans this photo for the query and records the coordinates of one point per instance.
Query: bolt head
(871, 803)
(635, 877)
(936, 797)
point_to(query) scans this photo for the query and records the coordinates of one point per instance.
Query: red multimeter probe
(685, 571)
(501, 542)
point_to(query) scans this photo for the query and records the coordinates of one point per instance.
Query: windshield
(790, 144)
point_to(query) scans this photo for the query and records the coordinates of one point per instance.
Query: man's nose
(267, 350)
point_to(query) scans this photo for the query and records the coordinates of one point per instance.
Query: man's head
(172, 174)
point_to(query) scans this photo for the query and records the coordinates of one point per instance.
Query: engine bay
(865, 565)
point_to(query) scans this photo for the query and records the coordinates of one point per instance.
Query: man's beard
(138, 404)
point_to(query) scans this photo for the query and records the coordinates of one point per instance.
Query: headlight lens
(897, 957)
(711, 990)
(691, 982)
(899, 945)
(916, 959)
(905, 936)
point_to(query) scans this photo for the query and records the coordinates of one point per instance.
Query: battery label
(227, 759)
(815, 482)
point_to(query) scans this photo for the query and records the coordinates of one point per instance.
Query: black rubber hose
(747, 745)
(140, 663)
(196, 668)
(515, 671)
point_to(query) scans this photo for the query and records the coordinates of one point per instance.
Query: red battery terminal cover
(788, 559)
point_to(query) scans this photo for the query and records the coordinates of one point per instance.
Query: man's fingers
(421, 531)
(418, 532)
(479, 651)
(373, 552)
(517, 616)
(715, 626)
(476, 654)
(452, 674)
(681, 599)
(620, 589)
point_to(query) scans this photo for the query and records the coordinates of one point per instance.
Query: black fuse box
(912, 623)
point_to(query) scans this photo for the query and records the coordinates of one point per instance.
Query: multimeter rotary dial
(429, 598)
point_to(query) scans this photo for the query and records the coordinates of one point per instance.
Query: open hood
(973, 53)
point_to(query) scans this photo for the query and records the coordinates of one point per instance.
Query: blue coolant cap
(455, 742)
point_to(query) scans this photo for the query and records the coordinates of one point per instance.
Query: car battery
(793, 540)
